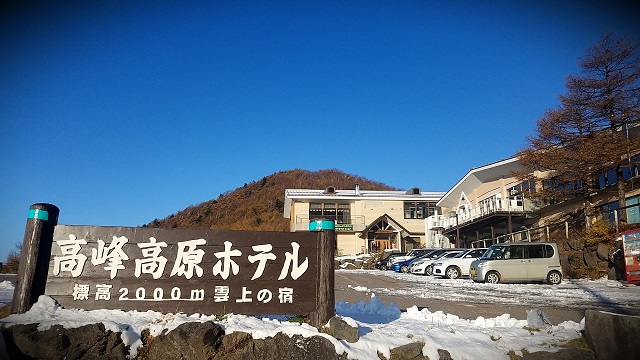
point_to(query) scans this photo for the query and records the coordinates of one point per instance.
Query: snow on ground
(381, 328)
(6, 292)
(579, 293)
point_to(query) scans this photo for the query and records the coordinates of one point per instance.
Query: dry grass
(5, 311)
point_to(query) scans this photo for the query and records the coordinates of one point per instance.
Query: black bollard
(34, 257)
(325, 306)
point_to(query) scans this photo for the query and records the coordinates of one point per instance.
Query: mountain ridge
(259, 205)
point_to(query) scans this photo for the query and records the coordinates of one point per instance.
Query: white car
(457, 266)
(421, 266)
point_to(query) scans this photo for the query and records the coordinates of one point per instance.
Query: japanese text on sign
(187, 262)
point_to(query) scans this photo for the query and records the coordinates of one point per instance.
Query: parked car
(411, 254)
(403, 266)
(458, 265)
(420, 266)
(383, 263)
(517, 262)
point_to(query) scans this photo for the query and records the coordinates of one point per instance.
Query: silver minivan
(518, 262)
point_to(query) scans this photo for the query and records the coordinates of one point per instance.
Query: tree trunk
(589, 213)
(622, 201)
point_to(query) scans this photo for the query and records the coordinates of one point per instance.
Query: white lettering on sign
(80, 292)
(152, 263)
(113, 253)
(197, 295)
(103, 292)
(223, 266)
(245, 295)
(188, 258)
(264, 296)
(187, 261)
(71, 259)
(221, 294)
(264, 255)
(291, 260)
(285, 295)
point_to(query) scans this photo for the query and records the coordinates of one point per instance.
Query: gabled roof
(477, 176)
(403, 232)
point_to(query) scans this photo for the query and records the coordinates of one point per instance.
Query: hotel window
(344, 214)
(632, 169)
(340, 213)
(526, 186)
(418, 209)
(315, 211)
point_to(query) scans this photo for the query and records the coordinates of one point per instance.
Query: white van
(518, 262)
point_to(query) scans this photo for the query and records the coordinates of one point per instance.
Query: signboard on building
(184, 270)
(344, 227)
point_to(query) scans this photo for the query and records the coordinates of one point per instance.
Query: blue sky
(120, 112)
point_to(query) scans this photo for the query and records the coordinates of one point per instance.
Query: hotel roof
(356, 194)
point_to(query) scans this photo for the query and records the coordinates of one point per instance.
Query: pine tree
(588, 133)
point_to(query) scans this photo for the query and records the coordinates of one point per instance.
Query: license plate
(473, 272)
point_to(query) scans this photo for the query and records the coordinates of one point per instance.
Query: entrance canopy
(385, 224)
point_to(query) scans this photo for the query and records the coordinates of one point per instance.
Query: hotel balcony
(489, 220)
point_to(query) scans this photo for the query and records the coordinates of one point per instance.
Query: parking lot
(464, 298)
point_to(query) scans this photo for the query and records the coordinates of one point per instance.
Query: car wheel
(404, 268)
(453, 272)
(554, 277)
(428, 271)
(383, 267)
(492, 277)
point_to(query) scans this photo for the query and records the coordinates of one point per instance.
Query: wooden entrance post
(326, 276)
(34, 257)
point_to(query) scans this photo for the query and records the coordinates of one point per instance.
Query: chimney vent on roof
(357, 189)
(414, 191)
(330, 190)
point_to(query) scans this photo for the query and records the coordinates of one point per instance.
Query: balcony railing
(445, 222)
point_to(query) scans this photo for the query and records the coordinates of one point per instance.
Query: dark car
(383, 263)
(405, 264)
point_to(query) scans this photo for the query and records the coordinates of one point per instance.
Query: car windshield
(451, 254)
(435, 254)
(443, 255)
(427, 255)
(493, 253)
(460, 254)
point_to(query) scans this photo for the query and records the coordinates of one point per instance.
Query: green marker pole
(34, 257)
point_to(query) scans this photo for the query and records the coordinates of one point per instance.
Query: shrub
(13, 260)
(143, 350)
(598, 233)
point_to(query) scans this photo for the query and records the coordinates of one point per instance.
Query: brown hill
(258, 205)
